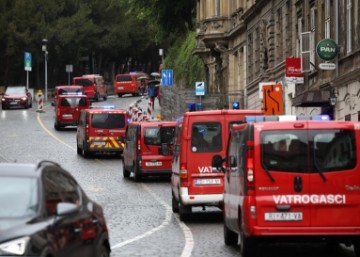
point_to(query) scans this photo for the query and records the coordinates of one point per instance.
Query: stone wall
(175, 101)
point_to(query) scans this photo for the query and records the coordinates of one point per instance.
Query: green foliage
(187, 68)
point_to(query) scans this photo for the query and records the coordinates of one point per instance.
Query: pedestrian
(152, 92)
(142, 86)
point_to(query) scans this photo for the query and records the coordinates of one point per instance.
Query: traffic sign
(27, 61)
(327, 66)
(200, 88)
(273, 100)
(167, 77)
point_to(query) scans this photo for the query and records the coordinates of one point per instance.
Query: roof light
(108, 107)
(286, 118)
(236, 105)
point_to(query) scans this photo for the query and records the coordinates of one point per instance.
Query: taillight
(139, 143)
(250, 176)
(183, 175)
(58, 112)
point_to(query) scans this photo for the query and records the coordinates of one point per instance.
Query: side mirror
(63, 209)
(217, 162)
(164, 149)
(122, 139)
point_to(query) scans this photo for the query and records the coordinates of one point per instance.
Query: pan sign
(327, 49)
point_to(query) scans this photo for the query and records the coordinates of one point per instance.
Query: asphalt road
(139, 215)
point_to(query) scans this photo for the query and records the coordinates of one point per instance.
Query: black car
(44, 212)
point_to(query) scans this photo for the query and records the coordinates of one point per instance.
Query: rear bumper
(200, 200)
(305, 231)
(157, 172)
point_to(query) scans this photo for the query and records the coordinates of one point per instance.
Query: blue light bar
(108, 107)
(286, 118)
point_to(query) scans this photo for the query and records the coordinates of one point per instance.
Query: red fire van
(94, 86)
(143, 146)
(198, 136)
(293, 180)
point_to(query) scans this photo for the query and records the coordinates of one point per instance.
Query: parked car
(65, 89)
(16, 97)
(67, 109)
(143, 148)
(45, 212)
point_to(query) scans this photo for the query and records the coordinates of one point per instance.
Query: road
(139, 215)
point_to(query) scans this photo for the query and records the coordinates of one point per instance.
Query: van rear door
(281, 175)
(335, 176)
(88, 84)
(206, 139)
(106, 129)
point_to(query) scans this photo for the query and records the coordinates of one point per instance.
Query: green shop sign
(327, 49)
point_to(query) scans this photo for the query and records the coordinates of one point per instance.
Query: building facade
(245, 43)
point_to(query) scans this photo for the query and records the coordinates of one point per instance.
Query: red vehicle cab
(65, 89)
(198, 136)
(67, 109)
(16, 97)
(143, 148)
(100, 130)
(94, 86)
(291, 180)
(129, 83)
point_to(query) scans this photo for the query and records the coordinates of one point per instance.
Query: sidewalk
(141, 110)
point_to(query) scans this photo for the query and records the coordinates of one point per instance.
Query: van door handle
(283, 207)
(297, 184)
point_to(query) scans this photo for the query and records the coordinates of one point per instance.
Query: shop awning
(312, 98)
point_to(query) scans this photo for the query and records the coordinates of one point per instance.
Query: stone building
(244, 43)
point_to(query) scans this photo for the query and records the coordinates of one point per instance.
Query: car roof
(18, 169)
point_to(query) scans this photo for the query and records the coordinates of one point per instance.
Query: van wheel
(356, 244)
(119, 95)
(137, 175)
(97, 97)
(184, 212)
(230, 237)
(174, 204)
(85, 153)
(126, 173)
(247, 245)
(105, 97)
(79, 151)
(102, 251)
(56, 125)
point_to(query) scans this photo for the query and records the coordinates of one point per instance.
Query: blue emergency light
(286, 118)
(236, 105)
(108, 107)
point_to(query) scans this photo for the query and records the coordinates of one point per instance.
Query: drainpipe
(337, 37)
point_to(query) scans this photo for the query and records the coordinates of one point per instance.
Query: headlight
(3, 99)
(24, 98)
(17, 246)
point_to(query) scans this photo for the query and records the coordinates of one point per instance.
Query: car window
(18, 196)
(159, 135)
(108, 120)
(59, 188)
(84, 82)
(292, 150)
(73, 102)
(123, 78)
(206, 137)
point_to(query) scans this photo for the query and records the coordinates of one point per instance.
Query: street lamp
(161, 53)
(44, 43)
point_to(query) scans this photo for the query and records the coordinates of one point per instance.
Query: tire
(174, 204)
(97, 97)
(230, 237)
(85, 153)
(119, 95)
(79, 151)
(356, 244)
(56, 125)
(247, 245)
(102, 251)
(126, 173)
(184, 212)
(3, 107)
(137, 175)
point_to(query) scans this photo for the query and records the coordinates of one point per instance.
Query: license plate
(152, 164)
(207, 181)
(120, 87)
(283, 216)
(67, 116)
(98, 143)
(13, 103)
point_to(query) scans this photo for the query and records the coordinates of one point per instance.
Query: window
(348, 26)
(124, 79)
(217, 7)
(108, 120)
(312, 35)
(158, 136)
(206, 137)
(84, 82)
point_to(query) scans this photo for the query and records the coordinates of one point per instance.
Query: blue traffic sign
(167, 77)
(27, 61)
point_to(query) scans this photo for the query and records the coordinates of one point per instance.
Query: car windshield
(108, 120)
(15, 90)
(18, 196)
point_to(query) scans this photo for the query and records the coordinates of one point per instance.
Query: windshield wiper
(319, 171)
(268, 173)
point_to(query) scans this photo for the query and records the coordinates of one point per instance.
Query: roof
(312, 98)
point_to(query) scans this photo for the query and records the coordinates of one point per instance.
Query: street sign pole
(27, 79)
